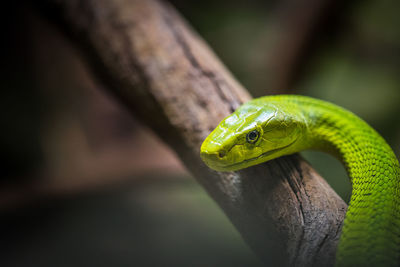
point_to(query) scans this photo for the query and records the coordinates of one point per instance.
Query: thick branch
(149, 57)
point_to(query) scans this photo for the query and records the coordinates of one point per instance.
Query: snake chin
(266, 156)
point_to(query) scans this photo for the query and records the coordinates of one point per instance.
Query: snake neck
(371, 231)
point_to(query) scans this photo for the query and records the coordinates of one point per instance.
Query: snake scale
(269, 127)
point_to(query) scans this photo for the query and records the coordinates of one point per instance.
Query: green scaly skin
(287, 124)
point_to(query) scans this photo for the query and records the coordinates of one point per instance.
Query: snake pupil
(252, 136)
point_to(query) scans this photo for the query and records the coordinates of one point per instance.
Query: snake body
(269, 127)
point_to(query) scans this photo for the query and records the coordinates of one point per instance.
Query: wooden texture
(148, 56)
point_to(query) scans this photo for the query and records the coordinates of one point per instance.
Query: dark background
(84, 184)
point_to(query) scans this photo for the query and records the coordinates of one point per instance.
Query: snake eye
(252, 136)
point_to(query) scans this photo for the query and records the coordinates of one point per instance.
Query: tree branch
(154, 62)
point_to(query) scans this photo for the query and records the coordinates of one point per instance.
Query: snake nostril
(221, 154)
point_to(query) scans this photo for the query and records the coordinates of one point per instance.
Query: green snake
(269, 127)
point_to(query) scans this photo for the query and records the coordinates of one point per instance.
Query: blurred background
(83, 183)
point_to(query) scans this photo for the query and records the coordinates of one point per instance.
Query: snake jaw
(214, 160)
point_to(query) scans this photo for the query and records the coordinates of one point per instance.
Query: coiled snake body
(273, 126)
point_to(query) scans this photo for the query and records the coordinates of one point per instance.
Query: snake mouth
(247, 162)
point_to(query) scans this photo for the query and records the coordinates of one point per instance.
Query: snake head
(254, 133)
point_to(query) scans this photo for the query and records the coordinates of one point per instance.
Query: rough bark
(154, 63)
